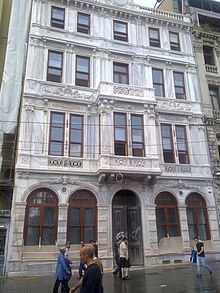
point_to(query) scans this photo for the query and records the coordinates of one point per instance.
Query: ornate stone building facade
(112, 137)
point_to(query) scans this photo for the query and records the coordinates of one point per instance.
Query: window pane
(119, 120)
(83, 19)
(190, 216)
(171, 216)
(75, 150)
(88, 234)
(74, 235)
(161, 232)
(56, 149)
(201, 218)
(89, 216)
(48, 236)
(160, 215)
(172, 231)
(202, 232)
(120, 134)
(57, 133)
(74, 216)
(32, 236)
(120, 149)
(49, 216)
(82, 64)
(55, 59)
(137, 135)
(34, 216)
(76, 122)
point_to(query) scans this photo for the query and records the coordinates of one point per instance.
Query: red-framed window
(82, 71)
(83, 23)
(174, 41)
(54, 66)
(167, 216)
(82, 217)
(197, 217)
(41, 218)
(154, 37)
(137, 135)
(179, 85)
(120, 73)
(57, 17)
(158, 82)
(120, 30)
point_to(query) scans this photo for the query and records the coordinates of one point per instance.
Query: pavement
(178, 278)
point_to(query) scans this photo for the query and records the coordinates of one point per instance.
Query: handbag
(193, 258)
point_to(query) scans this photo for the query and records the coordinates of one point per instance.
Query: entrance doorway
(126, 217)
(2, 249)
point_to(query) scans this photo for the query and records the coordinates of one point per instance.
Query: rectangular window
(167, 143)
(82, 71)
(158, 82)
(120, 30)
(182, 144)
(56, 141)
(174, 41)
(54, 67)
(208, 55)
(120, 73)
(179, 85)
(154, 37)
(174, 136)
(120, 125)
(215, 97)
(83, 23)
(57, 17)
(137, 134)
(76, 136)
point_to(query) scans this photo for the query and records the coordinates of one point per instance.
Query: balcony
(211, 68)
(216, 114)
(124, 91)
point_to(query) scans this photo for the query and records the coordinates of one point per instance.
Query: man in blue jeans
(201, 260)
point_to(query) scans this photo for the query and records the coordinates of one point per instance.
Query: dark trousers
(57, 284)
(118, 269)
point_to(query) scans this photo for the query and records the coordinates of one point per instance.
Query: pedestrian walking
(62, 272)
(82, 266)
(68, 263)
(117, 258)
(124, 259)
(91, 282)
(95, 245)
(201, 259)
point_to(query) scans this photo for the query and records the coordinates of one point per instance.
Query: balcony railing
(211, 68)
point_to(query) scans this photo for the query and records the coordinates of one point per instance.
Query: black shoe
(124, 278)
(210, 272)
(198, 275)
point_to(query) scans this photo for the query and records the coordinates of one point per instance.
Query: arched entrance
(126, 217)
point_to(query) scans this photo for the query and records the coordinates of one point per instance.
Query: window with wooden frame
(66, 135)
(120, 73)
(154, 37)
(57, 131)
(57, 17)
(215, 97)
(83, 71)
(129, 127)
(174, 135)
(82, 217)
(208, 55)
(137, 135)
(83, 23)
(120, 30)
(158, 82)
(179, 85)
(120, 130)
(174, 41)
(41, 217)
(167, 216)
(54, 66)
(76, 136)
(197, 217)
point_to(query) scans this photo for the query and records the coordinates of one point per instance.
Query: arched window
(82, 217)
(167, 216)
(197, 217)
(41, 218)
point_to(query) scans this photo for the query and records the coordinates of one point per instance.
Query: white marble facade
(98, 168)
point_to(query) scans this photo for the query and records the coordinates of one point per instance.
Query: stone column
(184, 228)
(62, 223)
